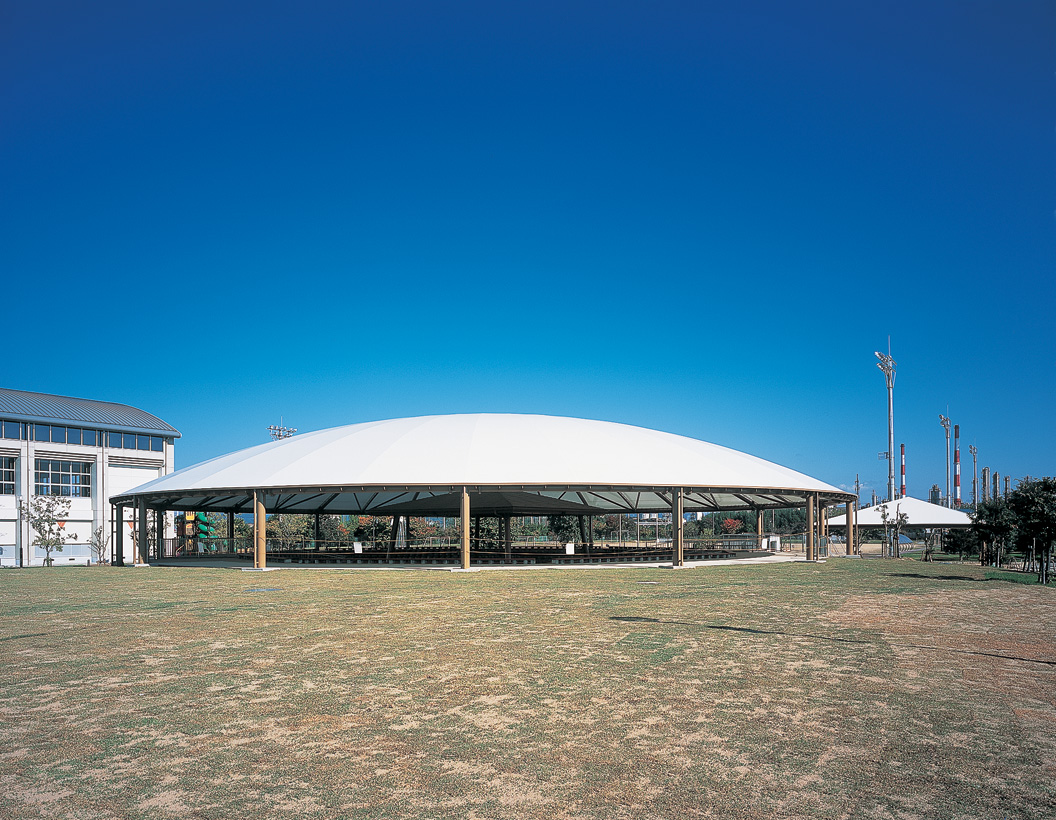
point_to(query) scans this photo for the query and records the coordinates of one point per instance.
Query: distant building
(935, 495)
(81, 449)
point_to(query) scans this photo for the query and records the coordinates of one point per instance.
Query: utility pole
(945, 422)
(975, 476)
(887, 364)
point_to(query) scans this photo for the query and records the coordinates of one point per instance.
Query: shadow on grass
(935, 577)
(829, 638)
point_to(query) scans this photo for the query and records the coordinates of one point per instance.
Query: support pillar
(259, 531)
(759, 528)
(315, 531)
(508, 537)
(823, 525)
(678, 525)
(394, 531)
(810, 527)
(852, 541)
(143, 539)
(231, 532)
(463, 508)
(119, 536)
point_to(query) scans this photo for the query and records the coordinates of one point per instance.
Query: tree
(290, 530)
(371, 528)
(893, 525)
(564, 528)
(99, 544)
(994, 523)
(731, 525)
(46, 514)
(963, 542)
(1033, 503)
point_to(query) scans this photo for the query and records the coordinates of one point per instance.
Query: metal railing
(446, 550)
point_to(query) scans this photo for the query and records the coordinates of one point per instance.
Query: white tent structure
(919, 514)
(483, 464)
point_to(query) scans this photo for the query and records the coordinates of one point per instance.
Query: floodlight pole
(945, 422)
(975, 476)
(887, 364)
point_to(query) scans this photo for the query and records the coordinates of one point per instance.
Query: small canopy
(919, 514)
(510, 464)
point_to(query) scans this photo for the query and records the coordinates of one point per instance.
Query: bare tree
(100, 544)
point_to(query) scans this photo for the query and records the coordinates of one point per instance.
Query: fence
(445, 550)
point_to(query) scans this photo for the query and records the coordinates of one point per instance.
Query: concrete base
(261, 569)
(460, 569)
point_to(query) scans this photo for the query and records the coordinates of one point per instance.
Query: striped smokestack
(903, 493)
(957, 466)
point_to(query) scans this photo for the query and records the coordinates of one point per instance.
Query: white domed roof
(403, 459)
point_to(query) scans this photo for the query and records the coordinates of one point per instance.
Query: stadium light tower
(945, 422)
(887, 364)
(279, 432)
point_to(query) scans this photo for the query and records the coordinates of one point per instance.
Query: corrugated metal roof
(44, 408)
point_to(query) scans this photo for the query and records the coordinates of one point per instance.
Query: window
(7, 476)
(90, 438)
(126, 441)
(58, 435)
(13, 429)
(73, 435)
(157, 444)
(142, 442)
(68, 478)
(41, 432)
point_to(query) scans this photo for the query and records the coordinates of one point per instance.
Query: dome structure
(481, 465)
(918, 514)
(540, 463)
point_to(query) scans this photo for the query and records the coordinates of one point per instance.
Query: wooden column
(259, 531)
(463, 508)
(143, 529)
(759, 528)
(119, 536)
(677, 527)
(851, 545)
(810, 527)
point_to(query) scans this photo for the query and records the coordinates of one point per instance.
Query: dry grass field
(853, 688)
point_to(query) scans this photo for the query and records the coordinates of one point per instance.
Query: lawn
(876, 689)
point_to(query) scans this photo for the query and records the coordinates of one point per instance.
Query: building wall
(114, 469)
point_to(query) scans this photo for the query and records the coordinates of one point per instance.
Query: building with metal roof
(496, 465)
(82, 449)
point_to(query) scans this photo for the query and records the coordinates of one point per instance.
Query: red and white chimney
(902, 494)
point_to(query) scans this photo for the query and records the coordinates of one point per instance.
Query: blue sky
(697, 217)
